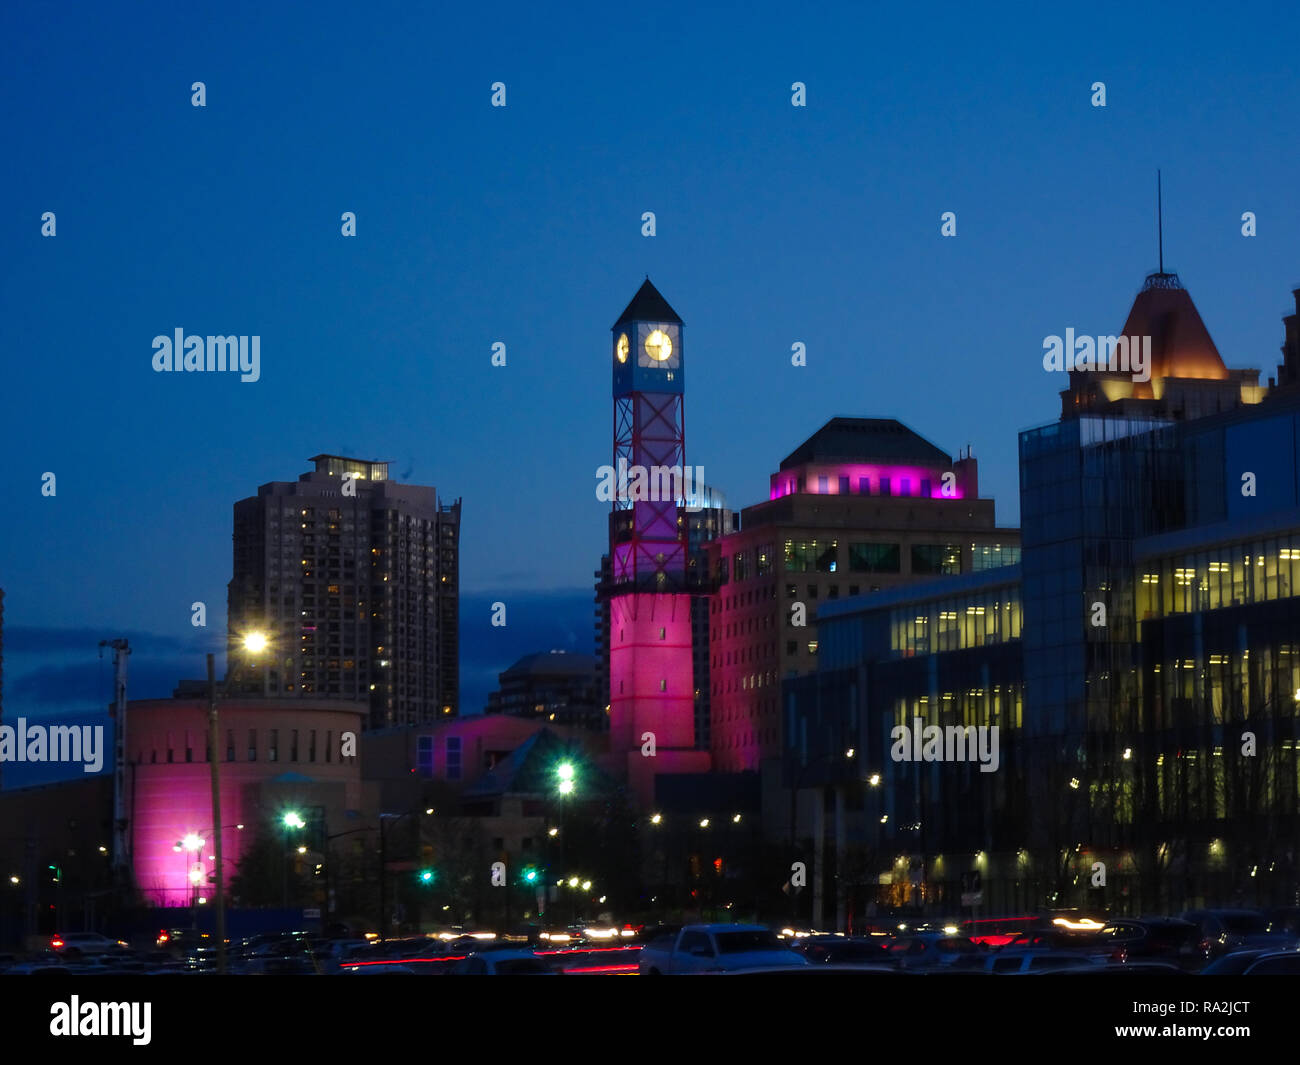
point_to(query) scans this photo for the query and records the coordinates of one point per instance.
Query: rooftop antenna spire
(1160, 222)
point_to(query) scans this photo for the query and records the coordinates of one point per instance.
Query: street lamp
(189, 845)
(254, 643)
(292, 821)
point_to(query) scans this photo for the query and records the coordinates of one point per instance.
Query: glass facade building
(1142, 663)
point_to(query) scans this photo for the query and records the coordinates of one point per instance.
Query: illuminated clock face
(658, 346)
(623, 347)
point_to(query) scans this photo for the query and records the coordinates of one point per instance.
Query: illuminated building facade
(707, 518)
(1150, 753)
(864, 504)
(354, 578)
(275, 755)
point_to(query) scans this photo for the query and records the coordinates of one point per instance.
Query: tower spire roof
(648, 306)
(1180, 344)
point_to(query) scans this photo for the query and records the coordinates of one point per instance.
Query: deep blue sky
(522, 224)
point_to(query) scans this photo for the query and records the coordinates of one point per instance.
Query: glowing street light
(293, 819)
(255, 642)
(656, 819)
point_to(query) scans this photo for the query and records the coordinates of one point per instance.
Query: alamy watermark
(1104, 354)
(189, 354)
(77, 1018)
(53, 743)
(950, 743)
(654, 484)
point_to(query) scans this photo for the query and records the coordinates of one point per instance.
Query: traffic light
(530, 874)
(426, 876)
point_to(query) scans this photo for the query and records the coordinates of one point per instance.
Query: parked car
(1276, 963)
(1151, 939)
(715, 948)
(820, 970)
(505, 963)
(1234, 964)
(1136, 968)
(1223, 931)
(1008, 962)
(841, 950)
(933, 949)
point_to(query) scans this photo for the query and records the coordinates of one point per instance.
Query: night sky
(522, 224)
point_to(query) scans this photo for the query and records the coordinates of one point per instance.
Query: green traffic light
(530, 874)
(426, 876)
(293, 819)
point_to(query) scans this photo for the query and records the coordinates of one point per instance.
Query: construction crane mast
(121, 846)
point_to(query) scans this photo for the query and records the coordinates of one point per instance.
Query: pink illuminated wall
(171, 798)
(651, 676)
(905, 481)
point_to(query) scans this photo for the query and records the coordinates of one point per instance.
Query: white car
(85, 944)
(715, 948)
(1022, 962)
(504, 963)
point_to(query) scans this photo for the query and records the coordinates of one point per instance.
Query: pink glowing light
(864, 479)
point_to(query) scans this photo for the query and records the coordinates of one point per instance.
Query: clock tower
(651, 677)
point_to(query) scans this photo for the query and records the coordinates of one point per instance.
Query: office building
(863, 504)
(1142, 664)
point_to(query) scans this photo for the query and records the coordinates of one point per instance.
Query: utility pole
(121, 857)
(214, 758)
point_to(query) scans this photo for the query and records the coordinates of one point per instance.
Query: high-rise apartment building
(354, 579)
